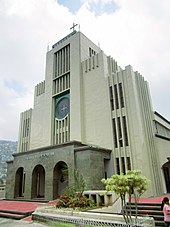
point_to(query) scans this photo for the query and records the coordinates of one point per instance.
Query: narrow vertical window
(128, 163)
(116, 96)
(60, 61)
(23, 129)
(66, 58)
(61, 84)
(59, 137)
(57, 64)
(111, 98)
(125, 131)
(156, 127)
(59, 125)
(67, 86)
(58, 86)
(63, 60)
(69, 80)
(64, 82)
(123, 165)
(117, 166)
(27, 129)
(114, 132)
(120, 132)
(121, 95)
(62, 137)
(66, 136)
(90, 50)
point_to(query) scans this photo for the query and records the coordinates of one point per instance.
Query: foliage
(62, 225)
(78, 186)
(73, 201)
(130, 184)
(73, 195)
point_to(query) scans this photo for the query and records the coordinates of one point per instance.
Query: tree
(79, 184)
(128, 185)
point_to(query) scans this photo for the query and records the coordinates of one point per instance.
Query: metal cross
(74, 25)
(64, 108)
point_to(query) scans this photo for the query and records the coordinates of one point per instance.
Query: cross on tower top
(73, 27)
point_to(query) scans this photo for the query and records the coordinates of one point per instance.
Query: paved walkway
(157, 199)
(18, 205)
(31, 206)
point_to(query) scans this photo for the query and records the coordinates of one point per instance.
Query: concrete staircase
(18, 215)
(148, 209)
(15, 209)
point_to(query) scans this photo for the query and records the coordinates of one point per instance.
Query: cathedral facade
(89, 114)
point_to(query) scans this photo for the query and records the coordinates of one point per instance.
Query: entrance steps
(17, 209)
(14, 214)
(148, 209)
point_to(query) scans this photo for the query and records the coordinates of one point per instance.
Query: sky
(133, 32)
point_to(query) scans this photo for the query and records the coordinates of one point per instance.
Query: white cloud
(137, 33)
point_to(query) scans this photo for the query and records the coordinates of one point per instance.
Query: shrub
(73, 201)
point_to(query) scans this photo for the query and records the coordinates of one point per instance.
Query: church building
(91, 115)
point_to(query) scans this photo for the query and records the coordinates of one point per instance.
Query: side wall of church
(163, 147)
(162, 140)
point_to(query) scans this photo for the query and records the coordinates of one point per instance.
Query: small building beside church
(47, 172)
(89, 114)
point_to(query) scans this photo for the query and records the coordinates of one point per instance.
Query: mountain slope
(7, 148)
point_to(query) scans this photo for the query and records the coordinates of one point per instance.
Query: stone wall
(88, 160)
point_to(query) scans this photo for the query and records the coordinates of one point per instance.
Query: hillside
(7, 148)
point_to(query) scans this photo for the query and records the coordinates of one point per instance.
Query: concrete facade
(71, 154)
(87, 97)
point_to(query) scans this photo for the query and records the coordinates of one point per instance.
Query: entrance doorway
(19, 183)
(38, 182)
(166, 171)
(60, 179)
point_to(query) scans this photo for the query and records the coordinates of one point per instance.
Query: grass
(65, 225)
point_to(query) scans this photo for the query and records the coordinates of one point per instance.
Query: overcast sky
(135, 32)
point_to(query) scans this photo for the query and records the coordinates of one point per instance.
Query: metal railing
(81, 221)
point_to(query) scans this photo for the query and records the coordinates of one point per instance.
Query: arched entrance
(60, 179)
(19, 183)
(38, 182)
(166, 171)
